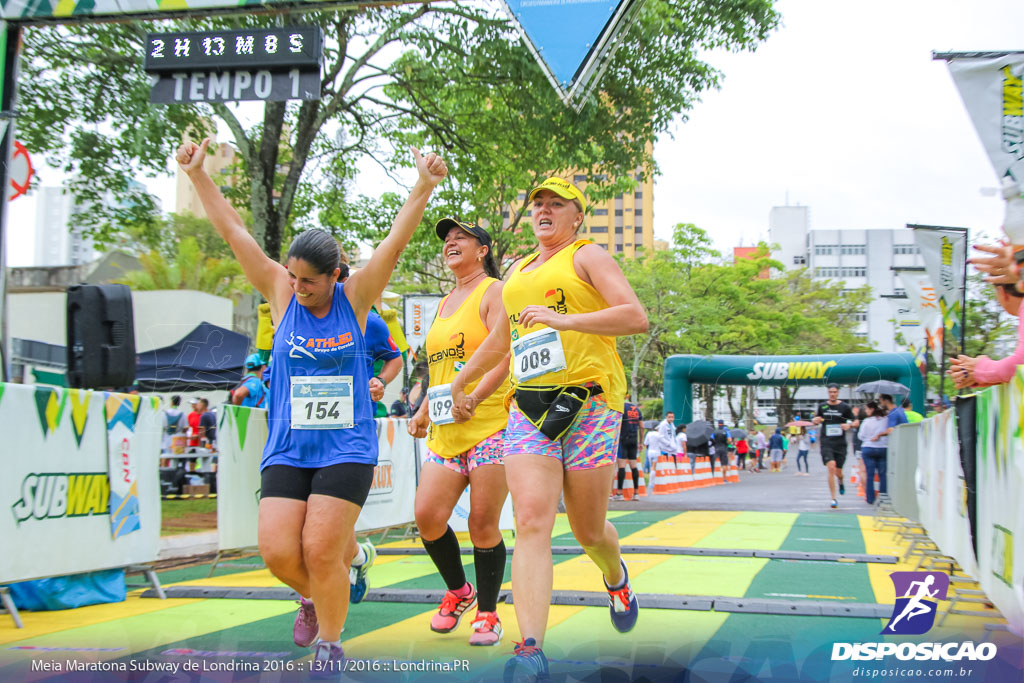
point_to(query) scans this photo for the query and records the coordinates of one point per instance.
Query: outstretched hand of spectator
(961, 369)
(1000, 267)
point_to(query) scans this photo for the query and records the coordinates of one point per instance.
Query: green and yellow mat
(224, 639)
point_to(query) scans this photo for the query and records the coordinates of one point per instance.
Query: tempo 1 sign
(235, 86)
(272, 64)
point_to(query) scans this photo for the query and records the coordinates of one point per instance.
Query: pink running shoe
(306, 627)
(452, 608)
(486, 629)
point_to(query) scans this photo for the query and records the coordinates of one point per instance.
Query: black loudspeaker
(100, 337)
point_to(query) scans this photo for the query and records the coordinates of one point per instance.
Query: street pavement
(762, 491)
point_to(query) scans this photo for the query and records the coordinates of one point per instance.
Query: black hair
(906, 403)
(317, 248)
(1011, 289)
(344, 271)
(876, 409)
(832, 385)
(490, 265)
(885, 397)
(175, 401)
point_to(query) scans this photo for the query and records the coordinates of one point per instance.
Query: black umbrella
(738, 433)
(698, 431)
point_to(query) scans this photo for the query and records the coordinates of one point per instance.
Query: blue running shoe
(842, 489)
(528, 665)
(357, 577)
(622, 604)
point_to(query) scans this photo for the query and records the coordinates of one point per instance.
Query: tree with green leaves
(188, 268)
(447, 76)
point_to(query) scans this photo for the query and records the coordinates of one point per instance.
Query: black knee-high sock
(447, 558)
(490, 572)
(622, 477)
(636, 482)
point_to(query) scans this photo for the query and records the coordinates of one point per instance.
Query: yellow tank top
(588, 357)
(450, 343)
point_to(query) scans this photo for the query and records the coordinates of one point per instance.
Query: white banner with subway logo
(56, 483)
(1000, 481)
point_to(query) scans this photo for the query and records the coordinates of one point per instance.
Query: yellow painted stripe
(42, 623)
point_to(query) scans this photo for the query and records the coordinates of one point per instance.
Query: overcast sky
(842, 110)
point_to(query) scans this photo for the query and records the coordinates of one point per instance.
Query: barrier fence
(81, 479)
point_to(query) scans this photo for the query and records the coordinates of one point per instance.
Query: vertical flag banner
(120, 411)
(908, 323)
(924, 300)
(992, 88)
(571, 39)
(943, 252)
(419, 314)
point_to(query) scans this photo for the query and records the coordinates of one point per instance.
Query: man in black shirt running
(836, 417)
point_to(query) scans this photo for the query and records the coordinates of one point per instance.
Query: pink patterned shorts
(591, 442)
(487, 452)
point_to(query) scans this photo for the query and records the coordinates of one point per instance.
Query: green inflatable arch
(682, 372)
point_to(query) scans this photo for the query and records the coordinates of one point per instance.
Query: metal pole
(963, 296)
(10, 35)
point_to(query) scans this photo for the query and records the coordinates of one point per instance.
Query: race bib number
(538, 353)
(439, 400)
(322, 402)
(833, 430)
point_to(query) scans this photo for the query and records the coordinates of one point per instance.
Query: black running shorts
(348, 480)
(833, 451)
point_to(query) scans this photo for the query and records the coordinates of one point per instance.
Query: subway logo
(55, 495)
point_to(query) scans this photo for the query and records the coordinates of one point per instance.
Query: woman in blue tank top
(318, 462)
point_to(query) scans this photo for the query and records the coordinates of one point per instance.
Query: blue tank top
(328, 347)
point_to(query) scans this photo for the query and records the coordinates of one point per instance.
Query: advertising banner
(944, 252)
(941, 489)
(908, 324)
(922, 298)
(419, 314)
(1000, 481)
(393, 493)
(901, 469)
(56, 483)
(120, 412)
(241, 435)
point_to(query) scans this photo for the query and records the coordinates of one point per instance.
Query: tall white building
(58, 241)
(855, 257)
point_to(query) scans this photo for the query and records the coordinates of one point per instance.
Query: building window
(905, 249)
(824, 249)
(598, 228)
(600, 212)
(528, 212)
(854, 272)
(579, 178)
(639, 177)
(638, 212)
(799, 260)
(826, 272)
(861, 335)
(618, 229)
(854, 249)
(899, 291)
(618, 247)
(639, 229)
(860, 317)
(504, 213)
(618, 212)
(522, 196)
(639, 194)
(603, 246)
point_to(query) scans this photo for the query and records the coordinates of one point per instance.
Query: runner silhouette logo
(917, 599)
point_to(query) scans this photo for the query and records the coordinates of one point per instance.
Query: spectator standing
(666, 430)
(652, 449)
(251, 393)
(912, 415)
(775, 450)
(173, 422)
(762, 447)
(400, 407)
(722, 440)
(194, 429)
(873, 430)
(630, 434)
(803, 448)
(207, 424)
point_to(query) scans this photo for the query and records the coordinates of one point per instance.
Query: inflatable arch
(682, 372)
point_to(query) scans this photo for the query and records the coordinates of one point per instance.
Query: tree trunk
(784, 406)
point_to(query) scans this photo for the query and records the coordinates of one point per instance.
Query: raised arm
(367, 284)
(268, 276)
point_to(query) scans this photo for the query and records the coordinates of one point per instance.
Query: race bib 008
(537, 353)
